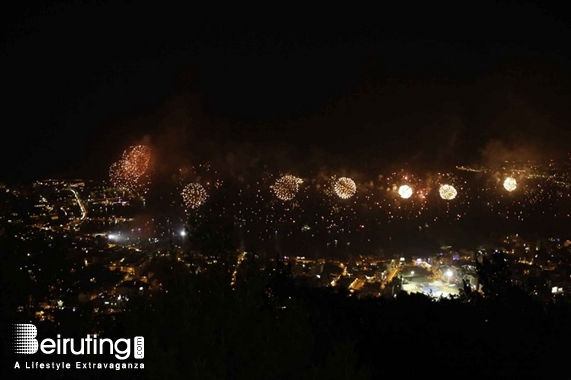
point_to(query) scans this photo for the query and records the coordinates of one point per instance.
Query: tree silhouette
(494, 275)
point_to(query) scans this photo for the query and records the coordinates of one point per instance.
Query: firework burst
(194, 195)
(131, 171)
(345, 187)
(510, 184)
(447, 192)
(405, 191)
(286, 187)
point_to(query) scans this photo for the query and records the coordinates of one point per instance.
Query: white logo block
(25, 341)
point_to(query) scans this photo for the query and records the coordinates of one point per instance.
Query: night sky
(422, 85)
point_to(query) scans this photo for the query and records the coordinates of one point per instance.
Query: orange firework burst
(129, 172)
(137, 159)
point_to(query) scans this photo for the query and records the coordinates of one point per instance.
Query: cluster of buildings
(542, 267)
(84, 244)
